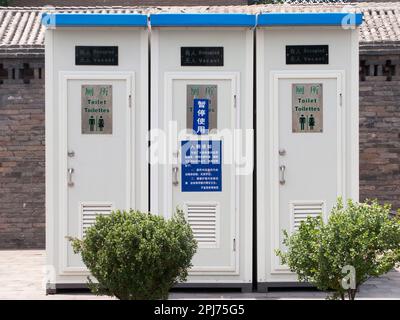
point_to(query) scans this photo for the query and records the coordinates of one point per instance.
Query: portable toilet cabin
(96, 124)
(201, 138)
(307, 126)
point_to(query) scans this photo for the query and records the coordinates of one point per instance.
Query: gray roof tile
(21, 29)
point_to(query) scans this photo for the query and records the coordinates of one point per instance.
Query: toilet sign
(201, 166)
(96, 105)
(307, 107)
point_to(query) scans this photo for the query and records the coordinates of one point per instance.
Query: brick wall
(22, 173)
(36, 3)
(380, 127)
(22, 154)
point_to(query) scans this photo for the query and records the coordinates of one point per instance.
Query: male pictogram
(302, 121)
(92, 122)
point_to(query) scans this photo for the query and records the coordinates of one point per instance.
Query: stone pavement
(22, 272)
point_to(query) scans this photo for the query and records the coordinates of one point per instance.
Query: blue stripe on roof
(94, 20)
(315, 18)
(202, 20)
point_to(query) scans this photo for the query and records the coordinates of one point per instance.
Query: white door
(202, 179)
(309, 150)
(98, 152)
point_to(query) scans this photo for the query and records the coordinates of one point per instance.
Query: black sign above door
(96, 56)
(307, 54)
(202, 56)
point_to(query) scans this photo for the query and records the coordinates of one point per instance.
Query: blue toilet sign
(201, 166)
(200, 116)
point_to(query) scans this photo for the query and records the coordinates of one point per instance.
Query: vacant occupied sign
(202, 56)
(307, 54)
(96, 56)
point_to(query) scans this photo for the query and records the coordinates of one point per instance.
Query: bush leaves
(362, 236)
(135, 255)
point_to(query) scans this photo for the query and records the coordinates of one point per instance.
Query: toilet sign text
(307, 107)
(96, 105)
(201, 165)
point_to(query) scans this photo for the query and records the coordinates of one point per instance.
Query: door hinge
(234, 101)
(130, 101)
(340, 99)
(234, 244)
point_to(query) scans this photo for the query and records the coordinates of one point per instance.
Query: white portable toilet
(201, 106)
(307, 126)
(96, 126)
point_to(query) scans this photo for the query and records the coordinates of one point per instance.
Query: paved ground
(22, 273)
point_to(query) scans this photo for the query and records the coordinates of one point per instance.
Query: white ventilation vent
(203, 218)
(301, 210)
(89, 212)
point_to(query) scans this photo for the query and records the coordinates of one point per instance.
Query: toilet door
(202, 176)
(308, 169)
(98, 159)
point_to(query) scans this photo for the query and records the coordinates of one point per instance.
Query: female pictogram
(101, 123)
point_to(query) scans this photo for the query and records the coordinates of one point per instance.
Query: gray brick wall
(22, 154)
(22, 172)
(380, 127)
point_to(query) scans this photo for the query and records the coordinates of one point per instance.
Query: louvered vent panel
(300, 212)
(203, 218)
(90, 212)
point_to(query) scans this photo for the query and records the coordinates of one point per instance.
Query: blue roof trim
(202, 20)
(307, 19)
(94, 20)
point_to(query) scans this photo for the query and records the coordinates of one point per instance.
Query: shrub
(358, 242)
(135, 255)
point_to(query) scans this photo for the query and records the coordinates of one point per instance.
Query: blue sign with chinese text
(201, 166)
(200, 116)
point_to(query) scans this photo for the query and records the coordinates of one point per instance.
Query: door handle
(175, 181)
(282, 169)
(71, 154)
(70, 172)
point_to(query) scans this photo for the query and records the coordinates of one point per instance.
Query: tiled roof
(21, 30)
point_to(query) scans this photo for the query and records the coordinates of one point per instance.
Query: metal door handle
(71, 154)
(282, 169)
(175, 181)
(70, 172)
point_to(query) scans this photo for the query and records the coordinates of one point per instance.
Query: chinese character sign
(203, 92)
(96, 109)
(307, 107)
(200, 116)
(201, 166)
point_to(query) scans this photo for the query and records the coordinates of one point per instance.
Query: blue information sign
(200, 116)
(201, 166)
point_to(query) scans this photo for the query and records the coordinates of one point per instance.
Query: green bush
(361, 237)
(135, 255)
